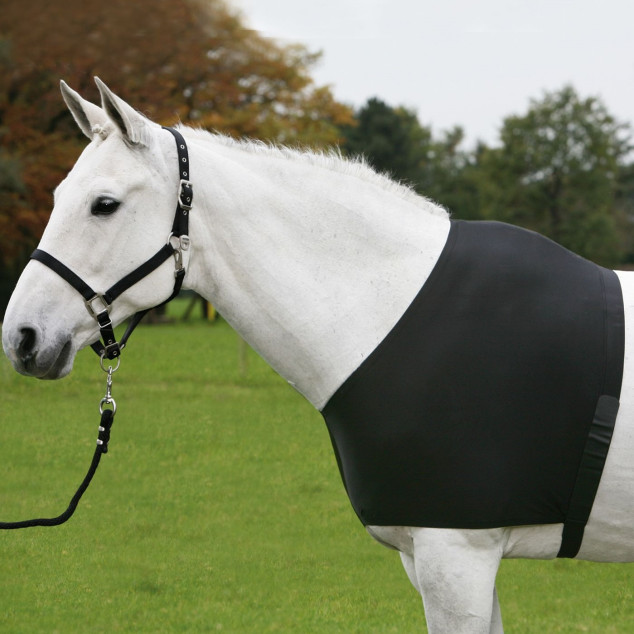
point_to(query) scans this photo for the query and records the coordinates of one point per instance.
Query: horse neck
(310, 260)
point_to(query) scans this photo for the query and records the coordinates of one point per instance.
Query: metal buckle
(179, 244)
(91, 310)
(185, 194)
(178, 257)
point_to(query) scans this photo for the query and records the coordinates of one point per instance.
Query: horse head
(111, 213)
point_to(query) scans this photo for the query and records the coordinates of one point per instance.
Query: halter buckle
(185, 194)
(91, 309)
(179, 244)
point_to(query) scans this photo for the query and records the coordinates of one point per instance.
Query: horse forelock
(144, 131)
(101, 131)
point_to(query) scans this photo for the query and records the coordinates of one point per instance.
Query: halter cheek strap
(178, 241)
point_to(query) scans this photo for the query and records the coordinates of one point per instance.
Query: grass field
(218, 508)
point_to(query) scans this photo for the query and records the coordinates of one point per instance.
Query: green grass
(218, 508)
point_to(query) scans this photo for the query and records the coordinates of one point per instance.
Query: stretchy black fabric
(475, 411)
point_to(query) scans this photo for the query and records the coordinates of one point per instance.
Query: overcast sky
(461, 62)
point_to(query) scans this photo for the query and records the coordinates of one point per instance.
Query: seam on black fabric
(601, 389)
(606, 325)
(569, 534)
(615, 338)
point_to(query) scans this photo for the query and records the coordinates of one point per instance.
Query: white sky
(461, 62)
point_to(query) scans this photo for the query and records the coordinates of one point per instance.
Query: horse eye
(103, 206)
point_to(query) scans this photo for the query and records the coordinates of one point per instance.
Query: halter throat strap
(178, 241)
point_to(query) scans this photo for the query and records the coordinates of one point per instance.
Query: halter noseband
(177, 242)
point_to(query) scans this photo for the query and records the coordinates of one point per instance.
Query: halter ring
(109, 369)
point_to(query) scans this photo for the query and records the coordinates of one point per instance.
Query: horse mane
(330, 159)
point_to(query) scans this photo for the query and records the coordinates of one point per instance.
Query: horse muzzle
(31, 355)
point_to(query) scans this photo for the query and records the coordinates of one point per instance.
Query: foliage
(391, 139)
(219, 507)
(557, 172)
(450, 175)
(559, 169)
(624, 211)
(191, 60)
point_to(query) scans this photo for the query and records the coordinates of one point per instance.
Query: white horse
(313, 260)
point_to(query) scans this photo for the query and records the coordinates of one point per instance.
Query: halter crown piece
(177, 242)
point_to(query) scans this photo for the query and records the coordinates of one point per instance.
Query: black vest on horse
(492, 401)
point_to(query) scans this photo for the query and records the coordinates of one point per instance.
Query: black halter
(178, 241)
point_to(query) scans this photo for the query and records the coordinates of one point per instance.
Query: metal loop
(94, 312)
(185, 194)
(109, 369)
(107, 401)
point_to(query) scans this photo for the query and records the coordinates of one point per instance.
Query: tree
(394, 141)
(624, 211)
(391, 139)
(556, 172)
(188, 58)
(449, 175)
(191, 60)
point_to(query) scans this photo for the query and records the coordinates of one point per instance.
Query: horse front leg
(455, 570)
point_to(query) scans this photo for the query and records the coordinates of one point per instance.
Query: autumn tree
(188, 60)
(191, 59)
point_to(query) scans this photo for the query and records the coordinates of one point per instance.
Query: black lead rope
(107, 418)
(98, 305)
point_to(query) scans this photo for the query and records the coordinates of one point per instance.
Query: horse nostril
(26, 347)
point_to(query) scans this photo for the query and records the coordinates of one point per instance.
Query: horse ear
(133, 125)
(86, 114)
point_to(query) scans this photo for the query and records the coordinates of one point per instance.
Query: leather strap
(597, 444)
(166, 251)
(63, 271)
(185, 190)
